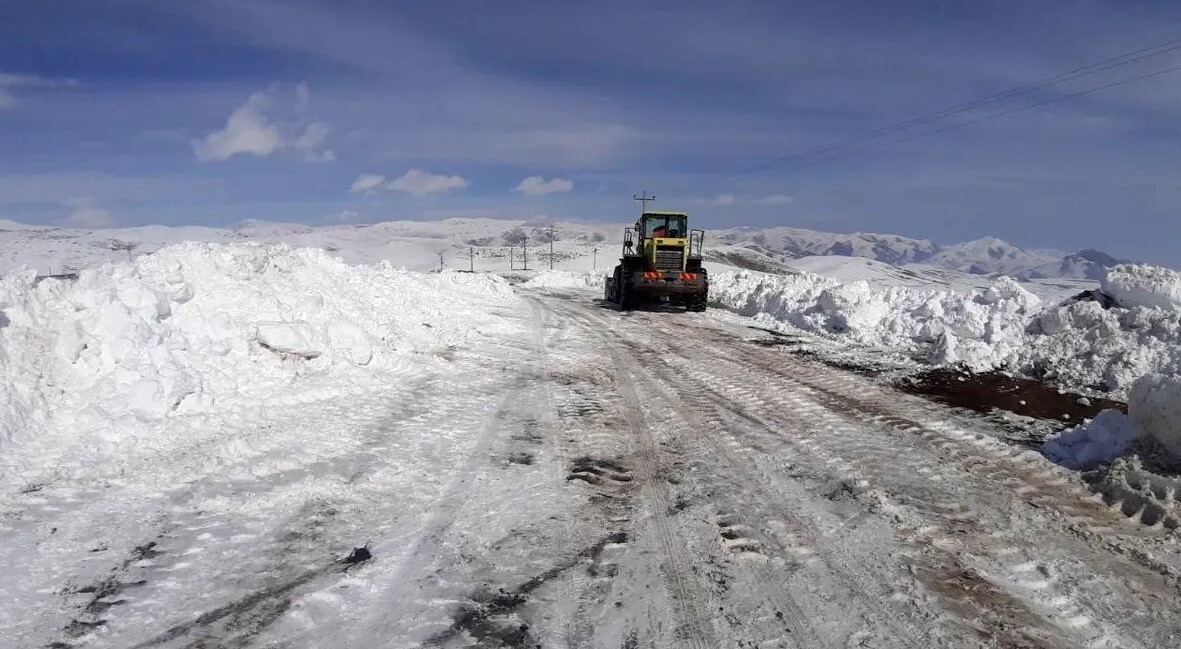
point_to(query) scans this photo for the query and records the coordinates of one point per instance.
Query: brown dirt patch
(992, 390)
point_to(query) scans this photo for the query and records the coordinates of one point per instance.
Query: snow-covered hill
(485, 243)
(986, 256)
(928, 277)
(795, 242)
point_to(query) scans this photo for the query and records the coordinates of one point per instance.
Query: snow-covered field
(460, 244)
(194, 440)
(484, 244)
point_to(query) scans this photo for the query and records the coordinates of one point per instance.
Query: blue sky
(208, 112)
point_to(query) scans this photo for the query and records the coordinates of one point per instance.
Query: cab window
(664, 226)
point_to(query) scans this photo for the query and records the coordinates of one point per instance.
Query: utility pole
(525, 250)
(440, 262)
(643, 197)
(551, 246)
(471, 255)
(595, 263)
(512, 265)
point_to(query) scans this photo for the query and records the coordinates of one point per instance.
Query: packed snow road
(593, 479)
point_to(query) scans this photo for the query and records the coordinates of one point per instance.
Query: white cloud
(86, 213)
(775, 199)
(313, 136)
(535, 185)
(723, 199)
(366, 183)
(417, 182)
(249, 130)
(414, 181)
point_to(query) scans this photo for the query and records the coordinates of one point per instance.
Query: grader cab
(661, 261)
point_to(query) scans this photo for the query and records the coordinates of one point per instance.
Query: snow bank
(1083, 344)
(1102, 439)
(1080, 344)
(197, 326)
(976, 329)
(1137, 285)
(565, 279)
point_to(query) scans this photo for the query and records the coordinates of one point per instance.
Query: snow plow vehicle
(661, 262)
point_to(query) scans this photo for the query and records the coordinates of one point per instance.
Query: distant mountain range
(420, 244)
(987, 256)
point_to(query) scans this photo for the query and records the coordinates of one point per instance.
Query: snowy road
(593, 479)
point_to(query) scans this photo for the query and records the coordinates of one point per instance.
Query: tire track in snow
(1063, 601)
(848, 450)
(655, 528)
(188, 542)
(764, 490)
(563, 407)
(356, 448)
(1035, 478)
(547, 521)
(679, 577)
(278, 552)
(1040, 482)
(855, 441)
(485, 414)
(1121, 528)
(787, 614)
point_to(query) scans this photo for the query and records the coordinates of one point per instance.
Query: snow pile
(979, 329)
(21, 399)
(1154, 411)
(1136, 285)
(1083, 344)
(1154, 406)
(1102, 439)
(1079, 344)
(550, 279)
(197, 327)
(297, 338)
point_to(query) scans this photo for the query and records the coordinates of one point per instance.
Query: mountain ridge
(983, 256)
(761, 247)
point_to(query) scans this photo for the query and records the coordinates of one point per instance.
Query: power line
(644, 199)
(1070, 75)
(984, 118)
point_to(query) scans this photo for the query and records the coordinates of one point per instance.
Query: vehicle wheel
(697, 302)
